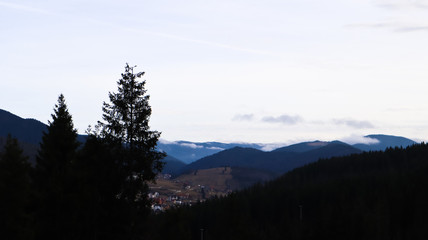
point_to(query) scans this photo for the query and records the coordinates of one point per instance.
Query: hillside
(26, 130)
(214, 154)
(29, 131)
(372, 195)
(203, 184)
(172, 166)
(278, 161)
(384, 141)
(302, 147)
(189, 152)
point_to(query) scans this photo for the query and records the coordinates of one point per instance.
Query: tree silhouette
(15, 221)
(53, 177)
(126, 128)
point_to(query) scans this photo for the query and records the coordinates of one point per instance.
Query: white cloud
(190, 145)
(353, 123)
(215, 148)
(272, 146)
(402, 4)
(163, 141)
(183, 144)
(284, 119)
(395, 26)
(243, 117)
(354, 139)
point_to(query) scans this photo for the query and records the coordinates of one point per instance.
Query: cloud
(272, 146)
(412, 28)
(401, 4)
(183, 144)
(284, 119)
(392, 26)
(243, 117)
(216, 148)
(190, 145)
(353, 123)
(354, 139)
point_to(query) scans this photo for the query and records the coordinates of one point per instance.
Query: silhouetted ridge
(26, 130)
(29, 131)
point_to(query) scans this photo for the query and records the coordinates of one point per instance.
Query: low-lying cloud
(355, 139)
(190, 145)
(216, 148)
(400, 4)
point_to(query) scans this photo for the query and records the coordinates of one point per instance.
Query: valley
(202, 184)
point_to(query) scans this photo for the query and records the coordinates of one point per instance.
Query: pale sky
(266, 71)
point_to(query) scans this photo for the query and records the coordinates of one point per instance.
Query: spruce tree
(53, 176)
(126, 126)
(15, 219)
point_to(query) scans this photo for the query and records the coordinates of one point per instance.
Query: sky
(272, 71)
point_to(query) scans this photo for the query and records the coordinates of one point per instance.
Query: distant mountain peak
(27, 130)
(383, 142)
(317, 143)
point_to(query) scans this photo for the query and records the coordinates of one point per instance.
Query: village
(190, 188)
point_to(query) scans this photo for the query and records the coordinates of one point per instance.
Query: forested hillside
(372, 195)
(277, 162)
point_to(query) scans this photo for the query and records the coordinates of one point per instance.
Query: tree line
(91, 190)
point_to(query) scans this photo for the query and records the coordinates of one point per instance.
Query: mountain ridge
(30, 131)
(278, 162)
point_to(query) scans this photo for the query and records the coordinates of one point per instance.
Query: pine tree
(53, 177)
(126, 126)
(101, 214)
(15, 220)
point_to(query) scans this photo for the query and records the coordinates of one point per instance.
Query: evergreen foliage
(97, 191)
(126, 131)
(15, 191)
(53, 178)
(101, 214)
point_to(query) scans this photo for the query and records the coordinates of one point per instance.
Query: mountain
(302, 147)
(26, 130)
(383, 142)
(277, 161)
(191, 151)
(29, 131)
(234, 157)
(372, 195)
(172, 166)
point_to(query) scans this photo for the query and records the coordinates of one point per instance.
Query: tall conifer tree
(53, 177)
(15, 221)
(126, 125)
